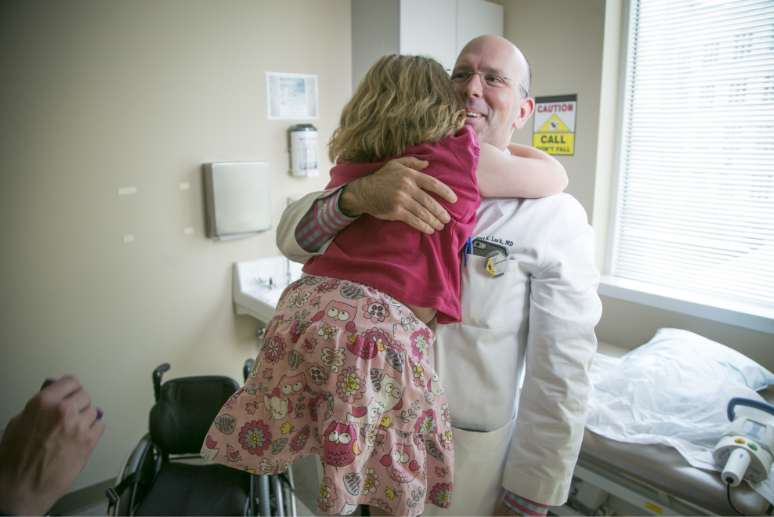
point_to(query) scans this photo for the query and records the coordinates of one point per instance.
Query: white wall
(100, 95)
(574, 47)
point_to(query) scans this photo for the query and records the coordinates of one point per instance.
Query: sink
(272, 297)
(258, 285)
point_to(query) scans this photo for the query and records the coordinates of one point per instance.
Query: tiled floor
(100, 509)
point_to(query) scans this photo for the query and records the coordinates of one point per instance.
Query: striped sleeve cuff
(524, 506)
(322, 222)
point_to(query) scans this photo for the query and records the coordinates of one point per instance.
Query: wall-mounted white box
(237, 199)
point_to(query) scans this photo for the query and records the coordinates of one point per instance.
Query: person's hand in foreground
(45, 447)
(396, 192)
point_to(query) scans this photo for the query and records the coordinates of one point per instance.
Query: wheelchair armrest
(157, 373)
(132, 471)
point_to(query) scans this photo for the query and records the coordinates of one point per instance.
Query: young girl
(343, 370)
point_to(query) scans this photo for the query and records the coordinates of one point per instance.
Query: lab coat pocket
(484, 297)
(479, 463)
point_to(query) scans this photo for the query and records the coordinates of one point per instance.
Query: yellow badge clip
(496, 264)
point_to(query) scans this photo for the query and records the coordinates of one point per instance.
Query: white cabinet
(476, 18)
(435, 28)
(429, 28)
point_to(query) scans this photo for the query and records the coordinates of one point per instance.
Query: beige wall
(563, 42)
(100, 95)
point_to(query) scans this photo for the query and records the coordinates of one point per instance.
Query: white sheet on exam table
(637, 409)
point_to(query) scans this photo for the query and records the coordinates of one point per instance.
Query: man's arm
(324, 220)
(293, 222)
(396, 192)
(564, 309)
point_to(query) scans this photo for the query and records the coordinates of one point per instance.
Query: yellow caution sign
(554, 143)
(554, 124)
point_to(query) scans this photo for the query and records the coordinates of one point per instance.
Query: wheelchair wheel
(277, 495)
(264, 496)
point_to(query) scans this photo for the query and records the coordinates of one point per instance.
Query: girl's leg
(378, 512)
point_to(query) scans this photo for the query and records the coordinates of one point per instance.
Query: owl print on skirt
(336, 377)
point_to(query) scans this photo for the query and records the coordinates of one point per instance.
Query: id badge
(496, 264)
(496, 256)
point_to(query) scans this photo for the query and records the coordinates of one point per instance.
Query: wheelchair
(164, 474)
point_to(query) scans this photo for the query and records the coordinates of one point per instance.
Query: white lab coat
(533, 325)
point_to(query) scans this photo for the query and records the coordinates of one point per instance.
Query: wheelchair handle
(247, 367)
(755, 404)
(157, 373)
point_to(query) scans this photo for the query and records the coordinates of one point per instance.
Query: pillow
(695, 351)
(673, 390)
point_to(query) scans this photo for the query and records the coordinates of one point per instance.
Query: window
(694, 202)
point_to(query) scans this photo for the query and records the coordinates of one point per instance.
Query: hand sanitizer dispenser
(237, 199)
(303, 150)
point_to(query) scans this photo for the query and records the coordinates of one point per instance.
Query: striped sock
(524, 506)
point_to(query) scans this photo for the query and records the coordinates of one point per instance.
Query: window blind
(695, 207)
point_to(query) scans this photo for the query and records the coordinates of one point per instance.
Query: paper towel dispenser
(237, 199)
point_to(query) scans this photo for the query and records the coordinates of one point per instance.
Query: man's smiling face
(493, 111)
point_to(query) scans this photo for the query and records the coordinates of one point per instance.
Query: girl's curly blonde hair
(402, 101)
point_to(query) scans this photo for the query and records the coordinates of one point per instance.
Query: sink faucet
(270, 282)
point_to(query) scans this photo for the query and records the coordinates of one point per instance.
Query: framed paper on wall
(291, 96)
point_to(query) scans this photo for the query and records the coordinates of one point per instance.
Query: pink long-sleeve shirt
(411, 266)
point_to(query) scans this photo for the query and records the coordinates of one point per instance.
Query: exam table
(652, 479)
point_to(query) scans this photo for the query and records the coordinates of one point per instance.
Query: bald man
(515, 369)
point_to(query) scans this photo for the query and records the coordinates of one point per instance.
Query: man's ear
(525, 111)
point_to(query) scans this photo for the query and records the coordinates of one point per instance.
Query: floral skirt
(343, 373)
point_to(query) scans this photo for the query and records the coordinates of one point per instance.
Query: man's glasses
(490, 80)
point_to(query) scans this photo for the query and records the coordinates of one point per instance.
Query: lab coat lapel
(488, 213)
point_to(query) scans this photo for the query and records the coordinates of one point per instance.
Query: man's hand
(45, 447)
(396, 192)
